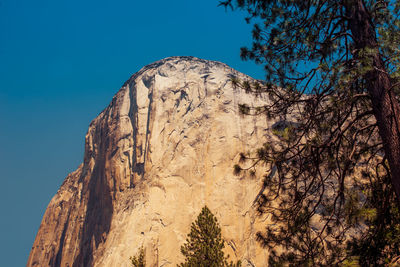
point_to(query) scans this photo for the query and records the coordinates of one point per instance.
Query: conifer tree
(204, 244)
(333, 76)
(139, 259)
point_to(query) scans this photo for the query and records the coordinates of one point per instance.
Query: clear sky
(61, 61)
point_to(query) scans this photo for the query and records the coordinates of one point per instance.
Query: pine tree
(204, 244)
(333, 75)
(139, 259)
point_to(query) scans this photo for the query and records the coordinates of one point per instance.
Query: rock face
(162, 149)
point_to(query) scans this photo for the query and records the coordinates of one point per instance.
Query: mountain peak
(162, 149)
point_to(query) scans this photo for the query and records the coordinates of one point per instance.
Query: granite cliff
(162, 149)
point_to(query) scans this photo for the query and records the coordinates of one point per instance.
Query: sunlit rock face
(162, 149)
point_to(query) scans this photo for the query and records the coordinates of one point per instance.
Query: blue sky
(60, 64)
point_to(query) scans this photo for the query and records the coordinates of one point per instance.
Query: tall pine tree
(204, 244)
(332, 73)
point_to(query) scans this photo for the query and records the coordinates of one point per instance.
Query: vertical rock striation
(162, 149)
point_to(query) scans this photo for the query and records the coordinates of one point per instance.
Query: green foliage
(351, 262)
(322, 60)
(204, 244)
(139, 259)
(285, 134)
(380, 244)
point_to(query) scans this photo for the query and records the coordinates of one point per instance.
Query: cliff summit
(163, 148)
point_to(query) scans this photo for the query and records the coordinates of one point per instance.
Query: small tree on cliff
(139, 259)
(204, 244)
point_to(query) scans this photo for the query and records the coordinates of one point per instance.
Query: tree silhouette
(332, 77)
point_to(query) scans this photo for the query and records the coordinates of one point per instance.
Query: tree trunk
(385, 106)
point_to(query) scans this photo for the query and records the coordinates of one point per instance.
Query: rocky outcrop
(162, 149)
